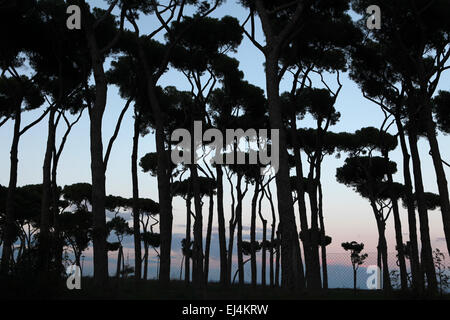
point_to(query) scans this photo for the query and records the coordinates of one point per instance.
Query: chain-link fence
(340, 272)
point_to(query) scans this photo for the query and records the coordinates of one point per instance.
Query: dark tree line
(65, 74)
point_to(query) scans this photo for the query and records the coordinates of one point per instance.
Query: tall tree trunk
(323, 244)
(314, 233)
(136, 209)
(293, 275)
(59, 243)
(97, 162)
(272, 237)
(379, 258)
(398, 233)
(21, 248)
(416, 274)
(264, 240)
(427, 256)
(197, 252)
(221, 227)
(78, 259)
(440, 174)
(165, 202)
(44, 232)
(119, 260)
(277, 258)
(187, 261)
(384, 256)
(98, 195)
(311, 271)
(163, 174)
(145, 260)
(208, 234)
(399, 242)
(240, 254)
(232, 227)
(10, 214)
(253, 234)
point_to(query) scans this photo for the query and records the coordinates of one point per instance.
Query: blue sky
(347, 216)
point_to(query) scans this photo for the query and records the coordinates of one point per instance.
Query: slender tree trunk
(21, 249)
(354, 279)
(58, 238)
(78, 259)
(10, 212)
(187, 262)
(136, 209)
(119, 260)
(97, 162)
(197, 252)
(166, 218)
(55, 213)
(314, 232)
(323, 245)
(384, 256)
(48, 199)
(181, 267)
(239, 231)
(417, 278)
(232, 226)
(163, 174)
(398, 234)
(221, 227)
(44, 232)
(399, 242)
(293, 276)
(440, 174)
(272, 237)
(427, 256)
(145, 260)
(277, 258)
(311, 273)
(208, 234)
(98, 196)
(264, 240)
(379, 259)
(253, 234)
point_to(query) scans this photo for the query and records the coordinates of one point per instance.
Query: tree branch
(66, 134)
(165, 60)
(443, 161)
(4, 121)
(116, 132)
(36, 121)
(251, 37)
(164, 23)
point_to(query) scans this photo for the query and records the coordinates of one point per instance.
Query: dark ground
(126, 289)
